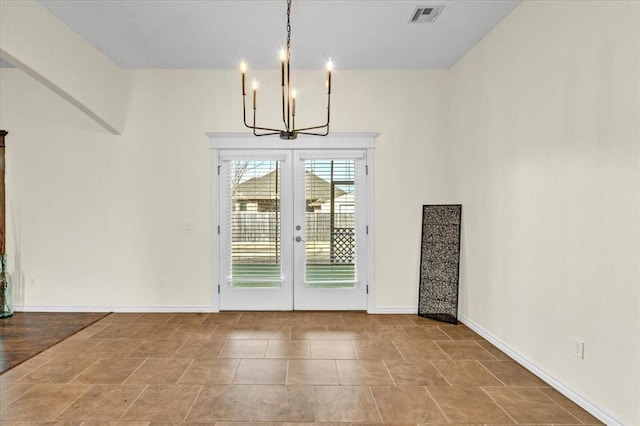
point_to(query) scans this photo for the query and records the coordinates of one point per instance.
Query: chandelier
(289, 131)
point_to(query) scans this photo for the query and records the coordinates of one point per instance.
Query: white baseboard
(564, 389)
(163, 309)
(394, 310)
(123, 309)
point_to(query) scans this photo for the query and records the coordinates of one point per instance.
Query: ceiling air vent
(426, 14)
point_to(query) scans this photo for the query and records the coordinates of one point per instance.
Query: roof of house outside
(264, 188)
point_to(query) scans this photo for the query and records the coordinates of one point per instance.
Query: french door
(292, 230)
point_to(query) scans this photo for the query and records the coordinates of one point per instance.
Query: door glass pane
(330, 240)
(255, 224)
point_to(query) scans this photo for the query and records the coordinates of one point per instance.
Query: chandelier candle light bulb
(254, 87)
(293, 107)
(283, 59)
(243, 70)
(288, 97)
(329, 69)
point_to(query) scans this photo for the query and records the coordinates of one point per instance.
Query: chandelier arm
(244, 110)
(265, 134)
(313, 133)
(311, 128)
(244, 116)
(284, 117)
(322, 126)
(266, 129)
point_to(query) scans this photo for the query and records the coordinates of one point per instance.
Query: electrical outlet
(161, 282)
(578, 348)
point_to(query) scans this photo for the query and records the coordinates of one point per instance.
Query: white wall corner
(561, 387)
(39, 44)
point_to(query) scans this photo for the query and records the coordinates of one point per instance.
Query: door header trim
(333, 141)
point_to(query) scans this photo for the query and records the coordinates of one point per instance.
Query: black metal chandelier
(288, 97)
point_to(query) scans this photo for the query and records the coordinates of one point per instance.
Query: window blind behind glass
(254, 223)
(330, 247)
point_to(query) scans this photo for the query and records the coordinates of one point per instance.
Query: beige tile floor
(281, 367)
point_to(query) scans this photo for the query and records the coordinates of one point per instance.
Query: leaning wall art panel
(440, 262)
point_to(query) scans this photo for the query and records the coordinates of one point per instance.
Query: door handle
(299, 239)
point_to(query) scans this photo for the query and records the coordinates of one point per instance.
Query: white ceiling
(355, 34)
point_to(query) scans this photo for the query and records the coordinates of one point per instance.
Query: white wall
(96, 220)
(544, 133)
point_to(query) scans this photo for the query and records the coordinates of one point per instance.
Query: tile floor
(282, 367)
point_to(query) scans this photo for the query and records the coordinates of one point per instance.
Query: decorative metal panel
(440, 262)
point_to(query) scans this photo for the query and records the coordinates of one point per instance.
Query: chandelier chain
(288, 27)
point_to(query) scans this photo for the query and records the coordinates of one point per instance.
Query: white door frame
(246, 141)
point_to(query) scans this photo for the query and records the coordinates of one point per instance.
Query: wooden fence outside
(265, 226)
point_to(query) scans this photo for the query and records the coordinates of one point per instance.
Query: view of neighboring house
(341, 205)
(260, 193)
